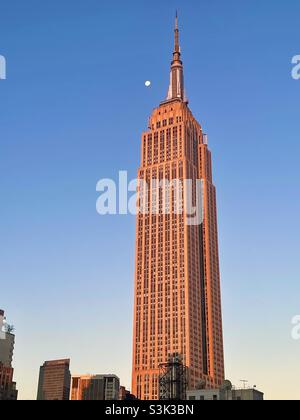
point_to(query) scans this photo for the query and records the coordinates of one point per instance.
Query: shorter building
(226, 393)
(54, 381)
(203, 395)
(95, 388)
(7, 342)
(8, 390)
(7, 349)
(250, 394)
(124, 394)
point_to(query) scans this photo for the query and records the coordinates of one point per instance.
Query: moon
(148, 83)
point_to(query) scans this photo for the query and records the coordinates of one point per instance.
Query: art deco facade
(177, 280)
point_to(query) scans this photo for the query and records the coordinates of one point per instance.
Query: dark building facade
(54, 381)
(125, 395)
(95, 388)
(8, 390)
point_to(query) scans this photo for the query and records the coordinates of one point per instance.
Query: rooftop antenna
(244, 382)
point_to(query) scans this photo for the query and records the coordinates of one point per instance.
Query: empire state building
(177, 303)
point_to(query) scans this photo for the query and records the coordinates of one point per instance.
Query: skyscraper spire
(176, 88)
(177, 47)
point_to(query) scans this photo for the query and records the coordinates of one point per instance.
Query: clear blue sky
(72, 111)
